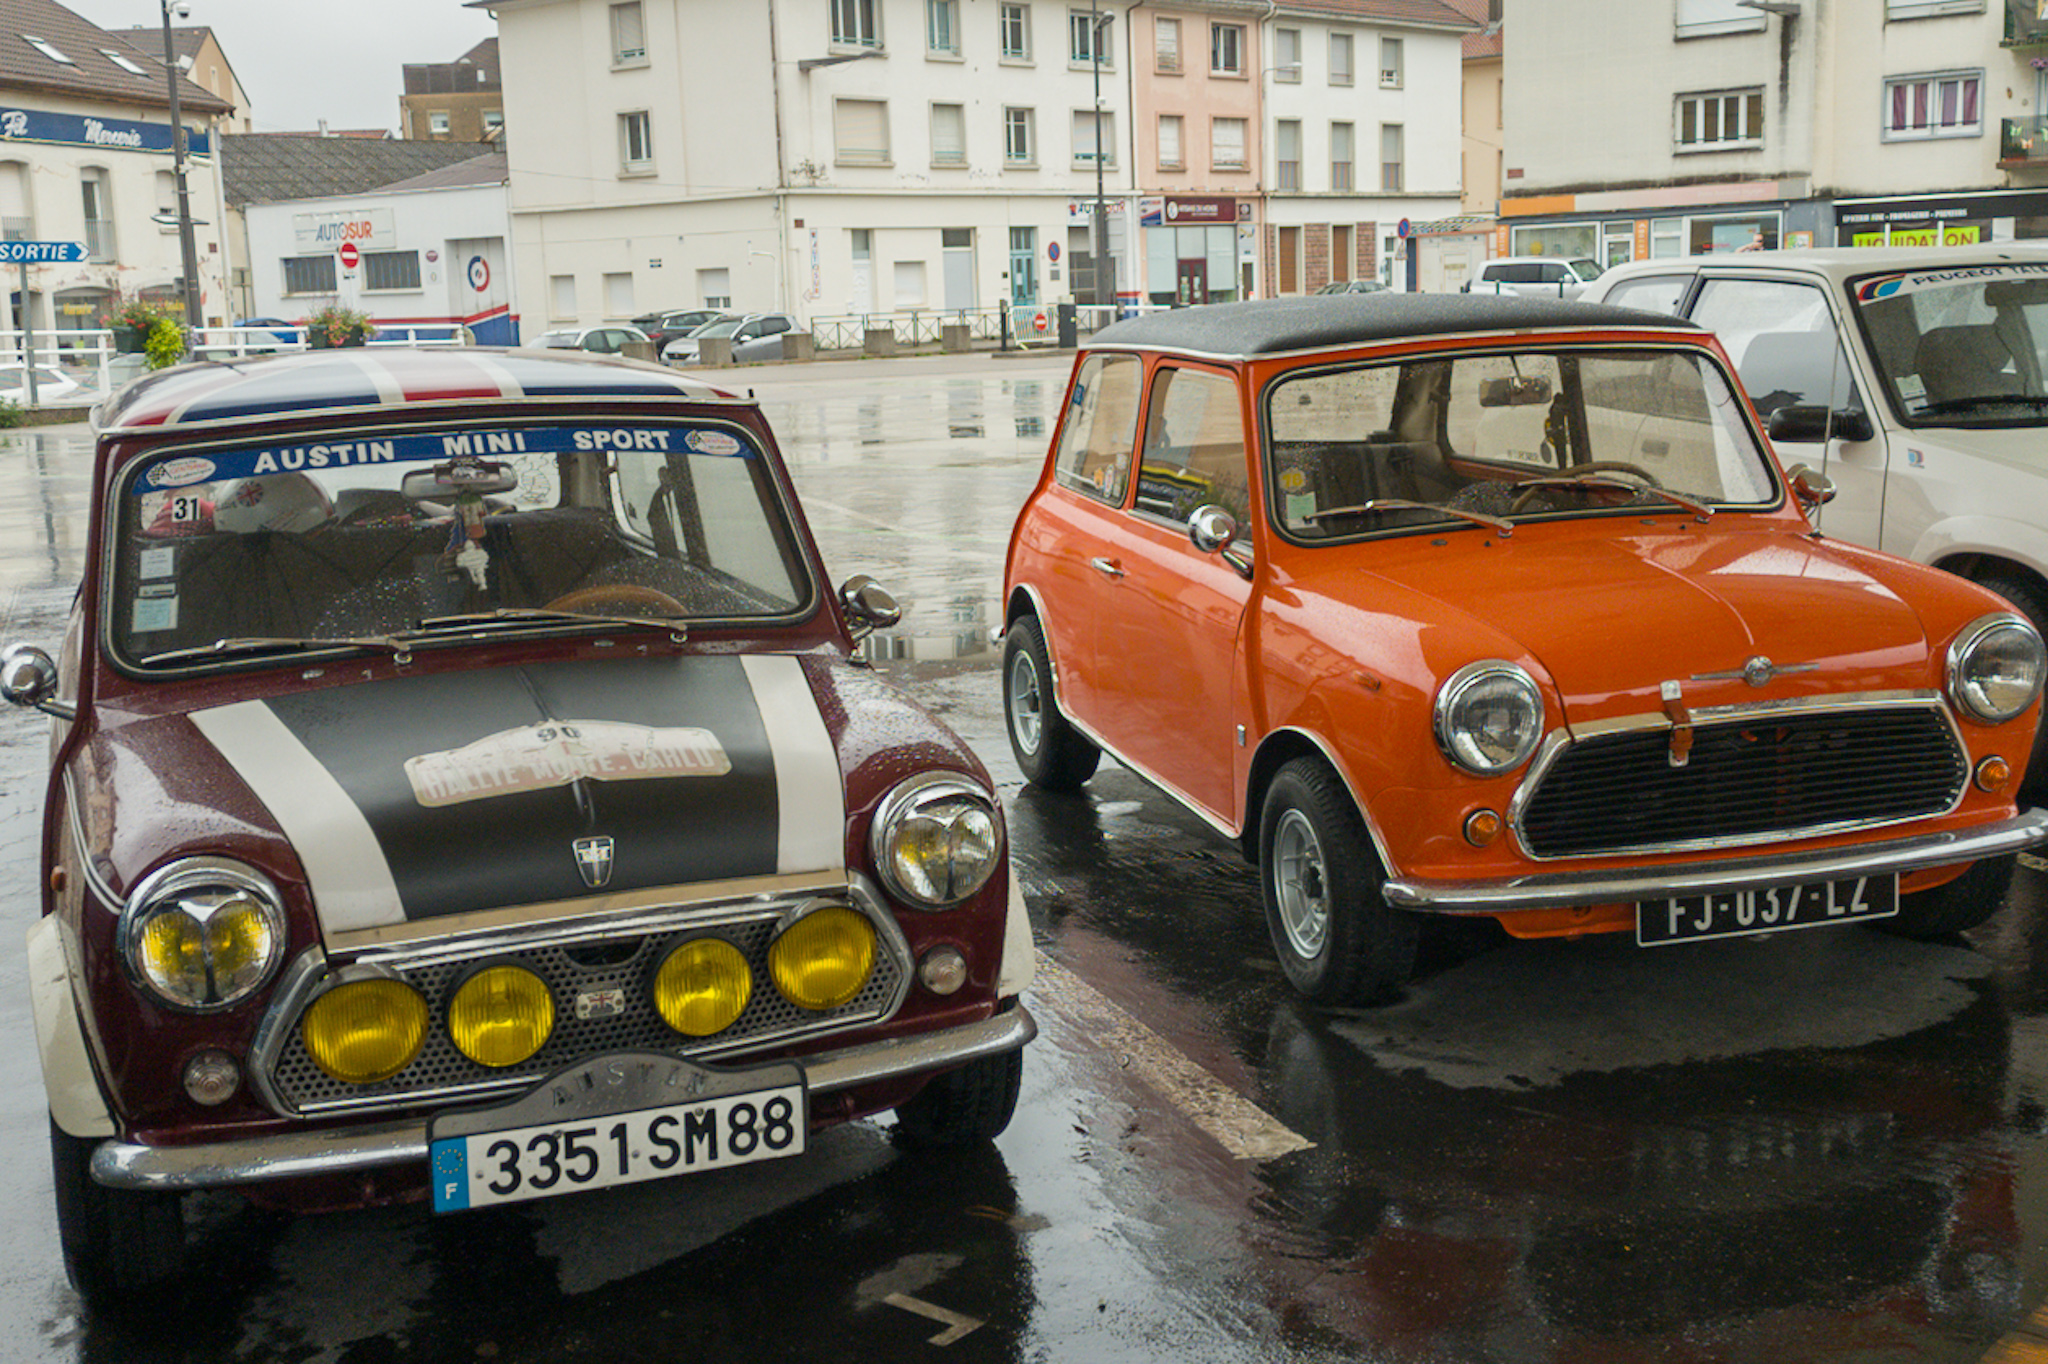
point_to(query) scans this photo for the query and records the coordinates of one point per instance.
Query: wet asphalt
(1814, 1146)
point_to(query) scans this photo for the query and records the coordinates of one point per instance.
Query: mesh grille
(625, 964)
(1757, 777)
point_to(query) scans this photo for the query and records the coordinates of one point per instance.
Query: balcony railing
(2023, 142)
(2025, 25)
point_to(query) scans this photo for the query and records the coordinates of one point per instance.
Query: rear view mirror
(1522, 390)
(1811, 487)
(464, 474)
(1808, 424)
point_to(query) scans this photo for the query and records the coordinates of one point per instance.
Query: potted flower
(335, 325)
(133, 320)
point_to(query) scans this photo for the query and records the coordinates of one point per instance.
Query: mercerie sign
(40, 125)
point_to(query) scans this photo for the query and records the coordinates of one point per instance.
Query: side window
(774, 325)
(1101, 427)
(1652, 293)
(1550, 272)
(1782, 338)
(1194, 448)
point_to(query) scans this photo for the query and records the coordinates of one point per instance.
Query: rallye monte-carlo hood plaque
(423, 805)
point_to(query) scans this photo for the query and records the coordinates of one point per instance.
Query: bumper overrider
(327, 1151)
(1564, 890)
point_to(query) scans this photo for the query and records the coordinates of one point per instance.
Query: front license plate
(1769, 909)
(602, 1136)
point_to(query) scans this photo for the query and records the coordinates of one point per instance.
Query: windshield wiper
(518, 616)
(1380, 504)
(2035, 401)
(252, 646)
(1698, 508)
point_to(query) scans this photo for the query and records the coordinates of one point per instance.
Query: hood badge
(594, 860)
(1758, 672)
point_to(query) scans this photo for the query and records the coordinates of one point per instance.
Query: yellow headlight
(703, 987)
(823, 959)
(501, 1016)
(173, 956)
(365, 1030)
(241, 940)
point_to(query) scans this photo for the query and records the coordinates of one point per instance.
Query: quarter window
(1101, 426)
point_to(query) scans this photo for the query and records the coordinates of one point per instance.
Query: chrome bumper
(126, 1165)
(1562, 890)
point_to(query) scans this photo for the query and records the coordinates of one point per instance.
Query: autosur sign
(365, 227)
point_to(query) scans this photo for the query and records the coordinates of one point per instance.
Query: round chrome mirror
(28, 676)
(1812, 487)
(1211, 528)
(868, 605)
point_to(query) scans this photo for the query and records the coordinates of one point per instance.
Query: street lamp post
(1105, 268)
(186, 245)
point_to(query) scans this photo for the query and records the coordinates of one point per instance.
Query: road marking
(956, 1325)
(1241, 1127)
(2034, 863)
(2026, 1345)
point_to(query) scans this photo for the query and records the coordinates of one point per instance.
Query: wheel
(119, 1245)
(1338, 940)
(963, 1107)
(2030, 601)
(1051, 752)
(618, 597)
(1960, 905)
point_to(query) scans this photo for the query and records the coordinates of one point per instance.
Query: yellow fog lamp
(703, 987)
(823, 959)
(501, 1016)
(363, 1031)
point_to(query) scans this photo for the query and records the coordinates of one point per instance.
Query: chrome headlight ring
(1995, 667)
(936, 840)
(1488, 717)
(202, 934)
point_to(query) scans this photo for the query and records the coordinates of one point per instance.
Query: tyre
(1962, 904)
(2030, 601)
(963, 1107)
(1337, 939)
(1052, 753)
(121, 1247)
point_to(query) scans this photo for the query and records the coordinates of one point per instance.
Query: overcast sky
(301, 63)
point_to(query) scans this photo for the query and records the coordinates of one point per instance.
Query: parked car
(662, 328)
(1447, 606)
(1913, 377)
(459, 763)
(763, 330)
(1535, 276)
(607, 340)
(54, 388)
(1352, 286)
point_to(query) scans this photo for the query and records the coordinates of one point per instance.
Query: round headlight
(703, 987)
(1995, 668)
(935, 840)
(1489, 717)
(821, 961)
(203, 934)
(501, 1016)
(363, 1031)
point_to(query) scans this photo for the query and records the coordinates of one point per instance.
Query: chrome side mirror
(868, 605)
(28, 677)
(1810, 486)
(1211, 528)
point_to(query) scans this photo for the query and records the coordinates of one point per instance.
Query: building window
(1341, 237)
(636, 141)
(1013, 25)
(855, 24)
(494, 119)
(1945, 105)
(562, 297)
(166, 201)
(629, 35)
(47, 49)
(99, 213)
(1171, 157)
(1726, 118)
(1020, 144)
(860, 132)
(1390, 64)
(1087, 40)
(391, 270)
(1226, 144)
(437, 122)
(1390, 157)
(1706, 18)
(1086, 148)
(1166, 45)
(1342, 152)
(1287, 154)
(1226, 49)
(1287, 55)
(1340, 59)
(1924, 9)
(949, 134)
(122, 62)
(942, 27)
(715, 287)
(309, 274)
(1290, 260)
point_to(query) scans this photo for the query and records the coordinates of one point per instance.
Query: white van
(1915, 379)
(1535, 276)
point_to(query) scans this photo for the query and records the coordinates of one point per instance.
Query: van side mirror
(1811, 423)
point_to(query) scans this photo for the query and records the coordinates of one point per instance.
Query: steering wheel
(1598, 466)
(616, 598)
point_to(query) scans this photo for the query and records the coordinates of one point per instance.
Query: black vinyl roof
(1275, 326)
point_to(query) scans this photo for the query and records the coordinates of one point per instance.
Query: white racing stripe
(1240, 1126)
(811, 794)
(345, 867)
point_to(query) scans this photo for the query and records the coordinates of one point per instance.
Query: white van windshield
(1959, 347)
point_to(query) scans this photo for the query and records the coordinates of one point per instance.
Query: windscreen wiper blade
(1703, 510)
(1380, 504)
(258, 645)
(517, 616)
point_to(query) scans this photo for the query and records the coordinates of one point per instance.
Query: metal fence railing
(910, 326)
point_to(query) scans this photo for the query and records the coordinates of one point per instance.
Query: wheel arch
(1274, 752)
(1977, 565)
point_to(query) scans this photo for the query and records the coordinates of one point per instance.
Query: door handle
(1107, 566)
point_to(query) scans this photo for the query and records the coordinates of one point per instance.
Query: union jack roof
(370, 377)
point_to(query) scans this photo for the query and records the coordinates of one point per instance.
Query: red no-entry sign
(349, 255)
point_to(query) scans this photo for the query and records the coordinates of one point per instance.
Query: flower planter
(318, 339)
(128, 340)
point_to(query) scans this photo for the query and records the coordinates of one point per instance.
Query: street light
(186, 245)
(1105, 268)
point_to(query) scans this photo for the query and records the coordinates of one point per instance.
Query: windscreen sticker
(1888, 286)
(1300, 507)
(535, 757)
(1911, 387)
(153, 614)
(160, 563)
(712, 442)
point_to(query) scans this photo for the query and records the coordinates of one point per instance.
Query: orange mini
(1456, 605)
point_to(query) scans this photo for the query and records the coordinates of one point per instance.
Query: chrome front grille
(587, 962)
(1751, 775)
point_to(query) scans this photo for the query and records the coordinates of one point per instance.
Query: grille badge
(594, 860)
(1758, 672)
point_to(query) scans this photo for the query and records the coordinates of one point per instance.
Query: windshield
(725, 327)
(1535, 433)
(1586, 268)
(561, 340)
(372, 535)
(1960, 347)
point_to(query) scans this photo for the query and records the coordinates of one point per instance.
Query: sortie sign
(41, 253)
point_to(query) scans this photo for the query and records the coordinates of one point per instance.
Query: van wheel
(1051, 752)
(964, 1107)
(2031, 602)
(121, 1247)
(1338, 940)
(1954, 908)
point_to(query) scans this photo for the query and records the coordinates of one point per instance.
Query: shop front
(1191, 248)
(1942, 220)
